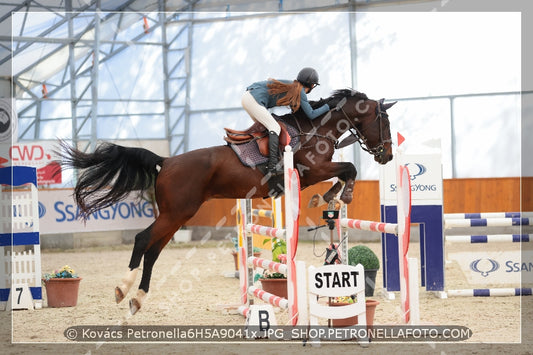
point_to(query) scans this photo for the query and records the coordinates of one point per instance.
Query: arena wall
(216, 219)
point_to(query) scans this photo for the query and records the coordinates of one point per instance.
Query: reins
(361, 138)
(356, 136)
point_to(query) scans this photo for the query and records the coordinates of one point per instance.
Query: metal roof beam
(42, 34)
(102, 60)
(67, 41)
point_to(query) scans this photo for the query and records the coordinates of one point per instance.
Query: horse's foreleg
(333, 191)
(141, 243)
(347, 193)
(348, 176)
(345, 171)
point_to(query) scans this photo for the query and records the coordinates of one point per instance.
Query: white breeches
(259, 113)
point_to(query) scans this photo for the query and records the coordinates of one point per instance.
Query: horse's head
(367, 120)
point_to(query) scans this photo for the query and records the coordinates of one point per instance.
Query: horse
(183, 182)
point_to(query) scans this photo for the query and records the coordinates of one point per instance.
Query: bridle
(357, 136)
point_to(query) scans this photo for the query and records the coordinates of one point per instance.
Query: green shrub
(361, 254)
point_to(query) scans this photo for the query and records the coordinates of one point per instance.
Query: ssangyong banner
(425, 172)
(59, 214)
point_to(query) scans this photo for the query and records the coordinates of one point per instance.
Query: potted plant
(235, 252)
(62, 287)
(346, 322)
(361, 254)
(275, 282)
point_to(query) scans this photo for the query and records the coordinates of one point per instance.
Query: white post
(292, 212)
(414, 303)
(404, 225)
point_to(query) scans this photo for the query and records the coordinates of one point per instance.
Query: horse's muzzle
(383, 157)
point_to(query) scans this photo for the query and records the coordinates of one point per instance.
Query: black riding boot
(273, 154)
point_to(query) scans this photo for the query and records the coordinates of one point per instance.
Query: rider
(262, 95)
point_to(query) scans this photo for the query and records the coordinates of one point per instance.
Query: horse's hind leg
(150, 258)
(317, 200)
(141, 243)
(159, 235)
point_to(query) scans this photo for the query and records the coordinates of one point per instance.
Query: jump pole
(488, 215)
(489, 238)
(487, 222)
(295, 271)
(274, 214)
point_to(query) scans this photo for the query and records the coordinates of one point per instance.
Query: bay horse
(183, 182)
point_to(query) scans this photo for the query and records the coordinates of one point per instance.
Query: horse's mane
(339, 95)
(333, 100)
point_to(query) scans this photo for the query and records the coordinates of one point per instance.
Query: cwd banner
(59, 214)
(39, 155)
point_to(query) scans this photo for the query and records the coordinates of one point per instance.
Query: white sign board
(495, 267)
(59, 214)
(425, 172)
(336, 280)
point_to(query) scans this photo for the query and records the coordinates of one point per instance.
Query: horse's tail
(109, 174)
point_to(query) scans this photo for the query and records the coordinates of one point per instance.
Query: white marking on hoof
(119, 294)
(136, 302)
(128, 280)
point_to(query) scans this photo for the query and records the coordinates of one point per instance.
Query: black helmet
(308, 77)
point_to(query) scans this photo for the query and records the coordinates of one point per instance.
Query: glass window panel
(527, 132)
(422, 123)
(409, 54)
(131, 126)
(207, 128)
(487, 131)
(229, 56)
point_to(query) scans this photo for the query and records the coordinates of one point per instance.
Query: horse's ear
(387, 106)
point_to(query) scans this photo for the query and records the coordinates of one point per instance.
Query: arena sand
(189, 288)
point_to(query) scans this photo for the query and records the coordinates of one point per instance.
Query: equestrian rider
(262, 95)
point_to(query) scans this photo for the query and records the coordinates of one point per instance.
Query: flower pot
(62, 292)
(370, 312)
(277, 287)
(236, 258)
(343, 322)
(346, 322)
(370, 282)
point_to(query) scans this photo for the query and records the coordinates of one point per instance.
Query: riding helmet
(308, 77)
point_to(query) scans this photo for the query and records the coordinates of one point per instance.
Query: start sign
(337, 280)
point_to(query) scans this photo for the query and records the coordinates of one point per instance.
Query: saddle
(257, 132)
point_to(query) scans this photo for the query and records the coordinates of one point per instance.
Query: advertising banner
(495, 267)
(426, 179)
(39, 155)
(59, 214)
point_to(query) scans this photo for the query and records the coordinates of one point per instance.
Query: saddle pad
(249, 154)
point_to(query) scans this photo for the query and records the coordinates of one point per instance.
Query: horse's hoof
(134, 306)
(119, 295)
(347, 198)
